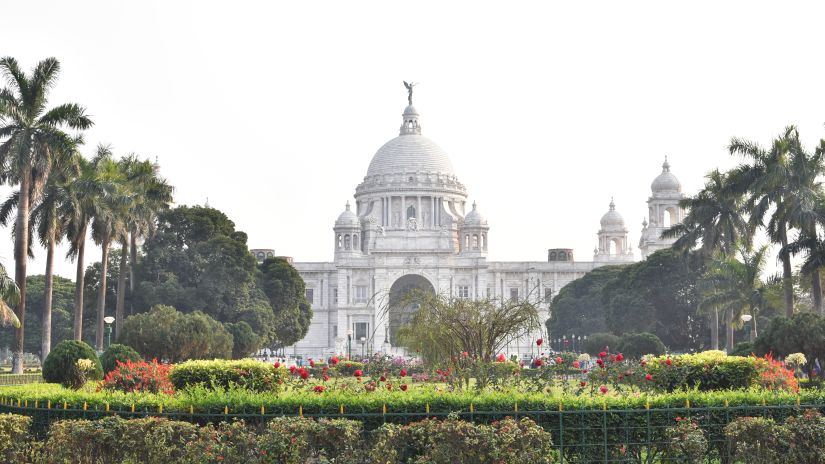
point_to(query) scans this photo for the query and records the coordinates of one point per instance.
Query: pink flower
(648, 377)
(500, 358)
(558, 360)
(576, 364)
(465, 354)
(603, 389)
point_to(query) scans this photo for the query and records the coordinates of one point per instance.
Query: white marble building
(411, 227)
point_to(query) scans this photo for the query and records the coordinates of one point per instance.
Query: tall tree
(33, 142)
(782, 187)
(9, 295)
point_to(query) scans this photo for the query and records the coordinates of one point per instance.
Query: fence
(581, 436)
(20, 379)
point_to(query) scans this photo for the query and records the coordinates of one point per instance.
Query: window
(361, 330)
(335, 331)
(335, 295)
(489, 292)
(411, 212)
(464, 291)
(514, 295)
(360, 293)
(548, 295)
(310, 293)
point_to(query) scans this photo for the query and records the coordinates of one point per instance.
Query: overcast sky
(273, 110)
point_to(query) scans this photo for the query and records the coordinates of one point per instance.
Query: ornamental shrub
(709, 370)
(296, 440)
(14, 437)
(757, 440)
(115, 353)
(639, 344)
(686, 442)
(141, 376)
(598, 342)
(348, 368)
(806, 435)
(221, 374)
(61, 362)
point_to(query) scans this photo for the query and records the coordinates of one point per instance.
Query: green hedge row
(223, 374)
(285, 440)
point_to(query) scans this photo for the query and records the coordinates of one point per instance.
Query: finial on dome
(666, 165)
(409, 86)
(474, 205)
(347, 205)
(612, 204)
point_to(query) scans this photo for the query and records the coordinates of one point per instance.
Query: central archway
(400, 312)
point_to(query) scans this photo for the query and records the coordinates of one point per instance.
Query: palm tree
(9, 295)
(151, 194)
(715, 222)
(109, 224)
(33, 143)
(781, 180)
(734, 283)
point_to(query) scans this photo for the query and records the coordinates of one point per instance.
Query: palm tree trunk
(753, 329)
(46, 341)
(79, 285)
(132, 264)
(787, 283)
(729, 341)
(101, 296)
(714, 329)
(21, 248)
(816, 289)
(121, 290)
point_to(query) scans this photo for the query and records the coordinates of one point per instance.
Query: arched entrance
(399, 312)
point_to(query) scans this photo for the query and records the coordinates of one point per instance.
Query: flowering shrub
(757, 440)
(710, 370)
(141, 376)
(773, 375)
(686, 442)
(807, 438)
(221, 374)
(117, 352)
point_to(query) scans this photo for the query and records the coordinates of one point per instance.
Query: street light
(363, 347)
(349, 344)
(745, 319)
(108, 320)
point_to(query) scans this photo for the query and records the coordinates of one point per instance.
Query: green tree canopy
(285, 290)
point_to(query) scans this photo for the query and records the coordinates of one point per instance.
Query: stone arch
(410, 211)
(399, 312)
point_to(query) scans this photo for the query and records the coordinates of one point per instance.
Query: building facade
(411, 227)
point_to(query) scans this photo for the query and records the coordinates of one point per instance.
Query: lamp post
(349, 344)
(108, 320)
(363, 347)
(573, 338)
(745, 319)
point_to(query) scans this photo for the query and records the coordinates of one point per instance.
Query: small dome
(474, 218)
(612, 219)
(666, 182)
(347, 218)
(410, 110)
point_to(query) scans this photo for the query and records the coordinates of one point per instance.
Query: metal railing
(587, 435)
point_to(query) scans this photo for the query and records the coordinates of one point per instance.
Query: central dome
(410, 153)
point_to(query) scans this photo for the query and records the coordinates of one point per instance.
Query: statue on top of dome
(409, 86)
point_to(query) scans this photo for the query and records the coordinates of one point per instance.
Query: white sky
(546, 109)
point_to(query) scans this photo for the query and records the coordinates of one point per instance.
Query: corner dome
(347, 218)
(474, 218)
(410, 153)
(612, 220)
(666, 182)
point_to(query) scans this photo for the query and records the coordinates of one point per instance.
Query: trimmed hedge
(223, 374)
(709, 370)
(115, 353)
(61, 360)
(14, 437)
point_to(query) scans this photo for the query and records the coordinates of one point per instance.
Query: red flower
(668, 362)
(276, 365)
(621, 376)
(465, 354)
(558, 359)
(403, 372)
(304, 375)
(358, 373)
(311, 363)
(325, 377)
(603, 354)
(539, 342)
(348, 365)
(583, 383)
(500, 358)
(603, 389)
(319, 388)
(333, 360)
(538, 362)
(382, 379)
(648, 377)
(678, 419)
(292, 369)
(612, 358)
(404, 387)
(600, 362)
(584, 371)
(619, 357)
(576, 364)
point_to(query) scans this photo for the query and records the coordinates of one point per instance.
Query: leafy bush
(60, 364)
(221, 374)
(14, 437)
(244, 340)
(637, 345)
(709, 370)
(141, 376)
(298, 440)
(457, 441)
(348, 368)
(757, 440)
(115, 353)
(686, 442)
(599, 342)
(807, 438)
(742, 349)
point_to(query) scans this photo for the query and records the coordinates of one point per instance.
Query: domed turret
(474, 231)
(666, 182)
(347, 218)
(612, 220)
(613, 245)
(474, 217)
(347, 233)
